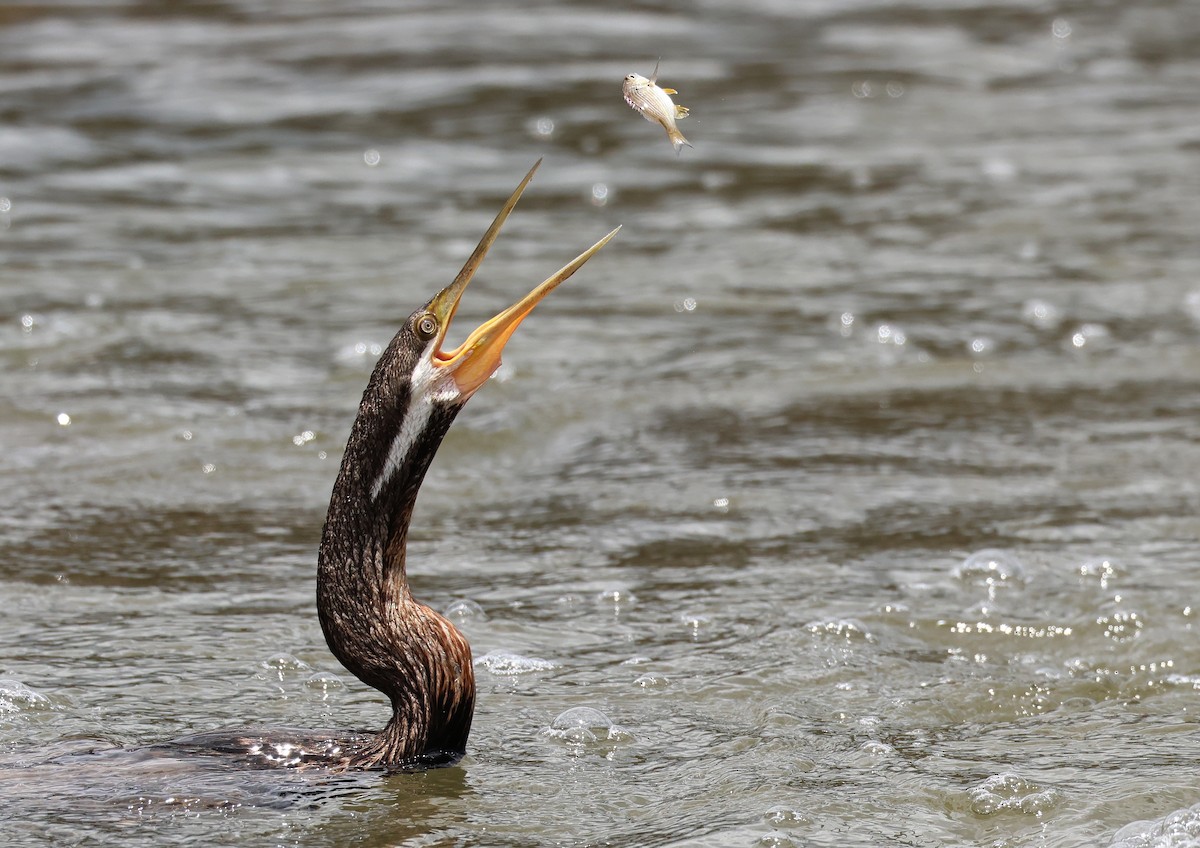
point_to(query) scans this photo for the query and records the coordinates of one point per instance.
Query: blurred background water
(855, 486)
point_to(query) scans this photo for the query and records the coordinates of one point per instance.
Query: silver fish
(655, 105)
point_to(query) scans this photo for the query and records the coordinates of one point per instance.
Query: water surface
(856, 482)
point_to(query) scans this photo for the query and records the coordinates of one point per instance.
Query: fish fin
(681, 111)
(654, 76)
(677, 140)
(669, 91)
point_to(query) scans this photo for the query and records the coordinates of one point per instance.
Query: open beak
(475, 360)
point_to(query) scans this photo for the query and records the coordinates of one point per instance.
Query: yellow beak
(476, 359)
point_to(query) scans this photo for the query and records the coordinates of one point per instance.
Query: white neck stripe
(427, 386)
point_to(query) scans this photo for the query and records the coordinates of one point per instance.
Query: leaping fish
(655, 105)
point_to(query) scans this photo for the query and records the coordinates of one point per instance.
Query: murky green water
(927, 286)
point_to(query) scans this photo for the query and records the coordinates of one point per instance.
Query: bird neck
(370, 620)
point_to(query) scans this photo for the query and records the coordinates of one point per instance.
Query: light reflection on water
(855, 483)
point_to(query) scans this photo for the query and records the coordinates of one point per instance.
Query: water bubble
(1180, 829)
(775, 839)
(651, 681)
(371, 157)
(1008, 792)
(1039, 313)
(507, 663)
(281, 665)
(63, 419)
(894, 89)
(16, 697)
(324, 682)
(464, 610)
(991, 567)
(600, 194)
(783, 817)
(585, 726)
(687, 304)
(841, 628)
(543, 126)
(5, 205)
(1061, 28)
(616, 597)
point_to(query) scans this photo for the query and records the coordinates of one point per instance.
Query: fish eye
(427, 326)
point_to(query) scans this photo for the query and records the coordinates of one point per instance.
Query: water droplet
(544, 126)
(1089, 336)
(895, 89)
(721, 504)
(1061, 28)
(1121, 625)
(600, 194)
(5, 205)
(28, 322)
(998, 170)
(186, 435)
(862, 89)
(507, 663)
(1039, 313)
(303, 438)
(371, 157)
(981, 346)
(1102, 570)
(63, 419)
(845, 324)
(888, 334)
(208, 468)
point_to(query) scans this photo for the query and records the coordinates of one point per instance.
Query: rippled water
(850, 496)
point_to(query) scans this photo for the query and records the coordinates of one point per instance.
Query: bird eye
(427, 326)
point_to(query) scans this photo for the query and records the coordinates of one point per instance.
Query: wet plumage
(655, 105)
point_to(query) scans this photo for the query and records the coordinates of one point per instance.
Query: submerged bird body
(655, 105)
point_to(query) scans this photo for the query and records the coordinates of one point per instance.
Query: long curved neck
(371, 622)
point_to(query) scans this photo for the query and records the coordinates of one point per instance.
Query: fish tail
(678, 140)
